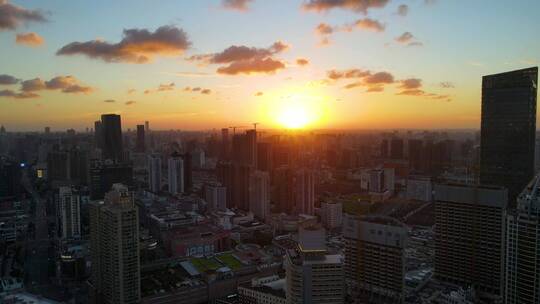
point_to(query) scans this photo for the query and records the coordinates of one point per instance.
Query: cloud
(130, 102)
(66, 84)
(206, 91)
(109, 100)
(324, 29)
(239, 5)
(447, 85)
(361, 6)
(20, 95)
(8, 79)
(351, 73)
(367, 24)
(196, 89)
(259, 94)
(407, 38)
(411, 83)
(137, 46)
(372, 81)
(12, 16)
(379, 78)
(413, 87)
(245, 60)
(302, 61)
(403, 10)
(166, 87)
(29, 39)
(131, 91)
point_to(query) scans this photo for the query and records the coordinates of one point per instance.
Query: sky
(325, 64)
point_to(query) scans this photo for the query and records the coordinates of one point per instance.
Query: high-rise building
(140, 144)
(469, 236)
(216, 197)
(10, 177)
(69, 212)
(111, 126)
(104, 174)
(304, 191)
(114, 241)
(508, 129)
(332, 214)
(314, 275)
(523, 248)
(259, 194)
(264, 156)
(415, 154)
(396, 148)
(375, 258)
(251, 146)
(188, 172)
(225, 145)
(47, 130)
(154, 172)
(98, 134)
(176, 174)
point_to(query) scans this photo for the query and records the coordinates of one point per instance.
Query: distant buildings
(175, 174)
(140, 144)
(332, 214)
(264, 290)
(114, 239)
(314, 275)
(259, 194)
(419, 188)
(522, 271)
(508, 129)
(375, 258)
(469, 236)
(104, 174)
(216, 197)
(154, 172)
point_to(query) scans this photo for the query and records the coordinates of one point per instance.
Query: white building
(69, 209)
(154, 172)
(176, 175)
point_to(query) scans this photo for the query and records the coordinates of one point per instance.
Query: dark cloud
(67, 84)
(12, 16)
(257, 65)
(302, 61)
(403, 10)
(206, 91)
(29, 39)
(196, 89)
(259, 94)
(413, 87)
(351, 73)
(361, 6)
(8, 79)
(372, 81)
(245, 60)
(239, 5)
(109, 100)
(411, 83)
(407, 38)
(130, 102)
(136, 46)
(447, 85)
(166, 87)
(20, 95)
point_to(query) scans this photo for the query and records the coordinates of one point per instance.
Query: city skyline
(321, 64)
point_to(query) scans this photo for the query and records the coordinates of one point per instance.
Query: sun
(294, 117)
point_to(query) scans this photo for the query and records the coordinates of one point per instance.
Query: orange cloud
(408, 39)
(137, 46)
(66, 84)
(239, 5)
(302, 61)
(29, 39)
(361, 6)
(259, 94)
(130, 102)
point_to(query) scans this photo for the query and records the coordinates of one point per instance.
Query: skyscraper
(140, 145)
(176, 174)
(216, 197)
(523, 248)
(154, 172)
(259, 194)
(469, 234)
(508, 129)
(69, 212)
(225, 145)
(111, 126)
(304, 191)
(98, 134)
(314, 275)
(114, 240)
(375, 258)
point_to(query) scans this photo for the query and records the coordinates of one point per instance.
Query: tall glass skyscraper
(508, 129)
(111, 128)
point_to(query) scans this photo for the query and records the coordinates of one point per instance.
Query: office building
(176, 174)
(69, 212)
(188, 172)
(111, 130)
(263, 290)
(225, 145)
(104, 174)
(264, 156)
(508, 129)
(396, 148)
(375, 258)
(10, 176)
(522, 249)
(313, 275)
(140, 144)
(259, 194)
(154, 172)
(469, 234)
(304, 191)
(114, 241)
(98, 134)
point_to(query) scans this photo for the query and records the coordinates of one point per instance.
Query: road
(39, 252)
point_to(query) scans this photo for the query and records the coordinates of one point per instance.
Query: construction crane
(255, 125)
